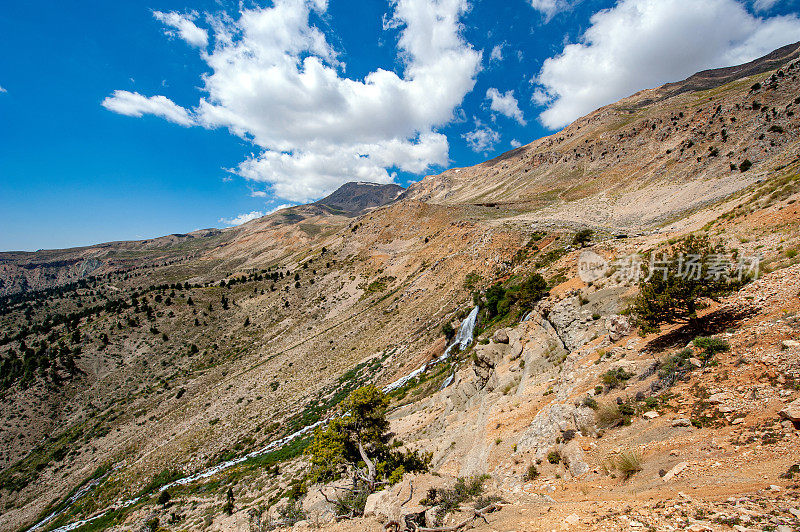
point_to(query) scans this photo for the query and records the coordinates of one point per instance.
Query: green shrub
(582, 237)
(553, 457)
(710, 346)
(531, 473)
(615, 377)
(628, 463)
(448, 500)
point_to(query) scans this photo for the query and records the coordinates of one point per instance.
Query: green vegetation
(582, 237)
(628, 463)
(449, 500)
(498, 300)
(359, 442)
(673, 294)
(615, 377)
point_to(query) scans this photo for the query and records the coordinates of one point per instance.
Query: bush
(292, 512)
(615, 377)
(590, 402)
(628, 463)
(448, 500)
(609, 416)
(531, 473)
(745, 165)
(351, 503)
(163, 498)
(710, 346)
(582, 237)
(553, 457)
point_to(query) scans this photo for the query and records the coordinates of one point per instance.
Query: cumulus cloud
(242, 218)
(2, 89)
(276, 81)
(279, 207)
(497, 52)
(515, 143)
(134, 104)
(549, 8)
(482, 138)
(183, 26)
(645, 43)
(764, 5)
(505, 104)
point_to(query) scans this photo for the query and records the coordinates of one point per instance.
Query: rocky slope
(201, 350)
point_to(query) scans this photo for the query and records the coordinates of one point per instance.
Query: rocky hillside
(356, 198)
(196, 362)
(648, 158)
(291, 228)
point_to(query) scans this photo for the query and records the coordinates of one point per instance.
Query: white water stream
(463, 338)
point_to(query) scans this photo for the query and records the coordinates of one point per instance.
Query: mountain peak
(356, 197)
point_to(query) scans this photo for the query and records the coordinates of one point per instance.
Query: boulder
(378, 506)
(682, 422)
(618, 327)
(791, 412)
(574, 458)
(652, 414)
(717, 398)
(550, 422)
(790, 344)
(500, 337)
(675, 471)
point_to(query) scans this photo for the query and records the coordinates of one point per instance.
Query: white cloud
(242, 218)
(2, 89)
(505, 103)
(279, 207)
(134, 104)
(549, 8)
(497, 52)
(515, 143)
(764, 5)
(258, 194)
(275, 80)
(644, 43)
(482, 138)
(184, 26)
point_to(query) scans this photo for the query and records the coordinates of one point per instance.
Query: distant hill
(356, 198)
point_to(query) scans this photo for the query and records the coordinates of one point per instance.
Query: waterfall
(462, 340)
(464, 336)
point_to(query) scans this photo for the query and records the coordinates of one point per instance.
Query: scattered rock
(377, 502)
(674, 471)
(718, 398)
(618, 327)
(652, 414)
(574, 458)
(788, 344)
(791, 412)
(695, 362)
(570, 521)
(500, 337)
(682, 422)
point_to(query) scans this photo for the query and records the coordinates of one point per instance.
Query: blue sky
(126, 120)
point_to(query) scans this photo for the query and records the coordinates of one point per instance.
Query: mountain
(356, 198)
(679, 146)
(22, 271)
(202, 358)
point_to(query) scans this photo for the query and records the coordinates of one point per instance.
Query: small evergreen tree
(673, 294)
